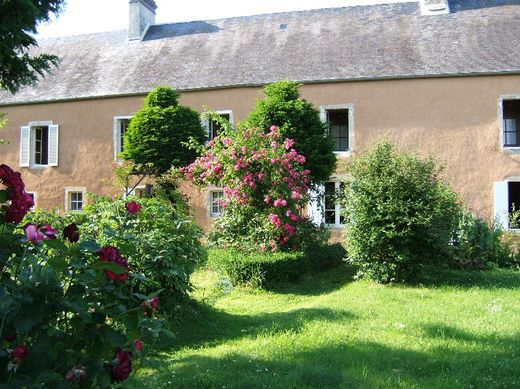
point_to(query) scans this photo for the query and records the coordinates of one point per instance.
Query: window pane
(338, 128)
(330, 217)
(41, 145)
(216, 205)
(123, 127)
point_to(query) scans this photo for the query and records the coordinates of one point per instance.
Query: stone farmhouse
(436, 76)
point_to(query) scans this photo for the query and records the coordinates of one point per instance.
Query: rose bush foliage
(266, 185)
(68, 318)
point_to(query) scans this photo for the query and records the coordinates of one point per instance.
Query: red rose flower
(111, 254)
(121, 366)
(19, 354)
(133, 207)
(19, 201)
(48, 231)
(139, 345)
(71, 233)
(10, 338)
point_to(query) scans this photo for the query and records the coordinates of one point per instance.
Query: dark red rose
(111, 254)
(76, 374)
(19, 201)
(19, 354)
(121, 366)
(133, 207)
(71, 233)
(139, 345)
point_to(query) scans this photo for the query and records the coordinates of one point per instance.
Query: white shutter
(25, 146)
(53, 145)
(501, 204)
(317, 205)
(117, 137)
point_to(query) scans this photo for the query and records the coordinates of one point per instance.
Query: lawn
(455, 330)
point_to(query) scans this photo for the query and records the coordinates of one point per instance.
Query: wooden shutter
(53, 145)
(25, 146)
(501, 204)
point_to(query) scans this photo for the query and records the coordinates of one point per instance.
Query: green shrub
(398, 214)
(267, 269)
(299, 120)
(158, 133)
(259, 269)
(161, 241)
(477, 244)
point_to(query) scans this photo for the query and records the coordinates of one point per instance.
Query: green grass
(455, 330)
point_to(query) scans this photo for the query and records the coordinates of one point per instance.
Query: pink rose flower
(19, 354)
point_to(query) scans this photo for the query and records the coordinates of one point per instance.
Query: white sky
(85, 16)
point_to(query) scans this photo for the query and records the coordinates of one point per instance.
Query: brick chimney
(141, 16)
(434, 7)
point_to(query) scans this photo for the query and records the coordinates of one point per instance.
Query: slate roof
(351, 43)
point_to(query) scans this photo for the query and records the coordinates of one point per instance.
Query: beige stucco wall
(456, 119)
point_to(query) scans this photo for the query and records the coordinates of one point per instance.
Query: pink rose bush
(266, 187)
(69, 315)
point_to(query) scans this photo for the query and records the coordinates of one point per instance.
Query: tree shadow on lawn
(484, 279)
(318, 283)
(489, 363)
(207, 326)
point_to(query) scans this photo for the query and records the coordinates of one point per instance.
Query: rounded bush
(399, 215)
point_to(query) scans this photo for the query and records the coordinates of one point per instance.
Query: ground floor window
(215, 203)
(507, 204)
(74, 198)
(325, 207)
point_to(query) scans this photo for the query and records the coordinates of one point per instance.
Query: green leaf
(111, 266)
(3, 196)
(168, 333)
(58, 263)
(55, 244)
(90, 246)
(115, 338)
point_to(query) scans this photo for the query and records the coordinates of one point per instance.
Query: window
(215, 204)
(121, 124)
(213, 128)
(325, 206)
(511, 122)
(140, 191)
(339, 119)
(39, 144)
(74, 199)
(333, 193)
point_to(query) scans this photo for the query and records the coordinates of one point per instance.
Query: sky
(87, 16)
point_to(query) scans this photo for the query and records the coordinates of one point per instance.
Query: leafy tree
(18, 22)
(399, 215)
(298, 120)
(158, 134)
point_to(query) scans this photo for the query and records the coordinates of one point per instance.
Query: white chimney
(434, 7)
(141, 16)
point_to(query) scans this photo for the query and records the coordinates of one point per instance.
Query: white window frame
(206, 121)
(214, 215)
(316, 207)
(117, 135)
(351, 137)
(501, 125)
(35, 198)
(501, 203)
(74, 189)
(28, 145)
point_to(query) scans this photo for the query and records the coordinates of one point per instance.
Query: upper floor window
(511, 122)
(121, 124)
(39, 144)
(339, 119)
(213, 127)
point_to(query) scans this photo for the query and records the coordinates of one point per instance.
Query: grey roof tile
(352, 43)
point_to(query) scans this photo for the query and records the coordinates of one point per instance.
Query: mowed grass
(456, 330)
